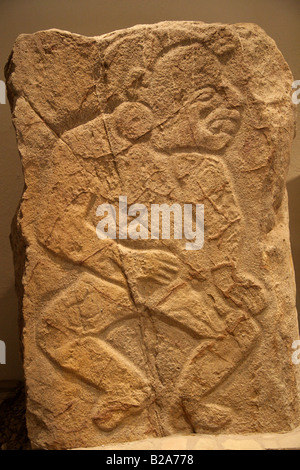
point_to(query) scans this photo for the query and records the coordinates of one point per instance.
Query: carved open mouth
(224, 121)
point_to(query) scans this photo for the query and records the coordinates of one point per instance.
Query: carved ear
(136, 82)
(133, 120)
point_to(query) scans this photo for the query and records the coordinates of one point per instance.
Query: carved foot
(207, 417)
(108, 414)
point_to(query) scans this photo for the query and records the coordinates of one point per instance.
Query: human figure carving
(177, 119)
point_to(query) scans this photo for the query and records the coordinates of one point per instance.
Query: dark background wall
(279, 18)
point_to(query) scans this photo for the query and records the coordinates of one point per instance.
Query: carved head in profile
(181, 101)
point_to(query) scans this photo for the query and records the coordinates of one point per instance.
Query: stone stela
(129, 338)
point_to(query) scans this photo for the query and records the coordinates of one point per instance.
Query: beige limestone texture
(132, 339)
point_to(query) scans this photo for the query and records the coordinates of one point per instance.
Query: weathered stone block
(132, 336)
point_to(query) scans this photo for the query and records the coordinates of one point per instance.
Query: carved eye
(206, 94)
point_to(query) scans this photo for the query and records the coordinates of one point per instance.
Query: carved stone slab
(134, 337)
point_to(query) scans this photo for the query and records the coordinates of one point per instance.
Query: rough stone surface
(134, 339)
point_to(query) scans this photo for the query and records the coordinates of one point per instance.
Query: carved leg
(69, 335)
(212, 362)
(124, 389)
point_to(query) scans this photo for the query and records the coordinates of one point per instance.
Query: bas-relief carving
(148, 330)
(174, 115)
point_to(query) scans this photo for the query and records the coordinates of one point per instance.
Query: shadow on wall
(293, 188)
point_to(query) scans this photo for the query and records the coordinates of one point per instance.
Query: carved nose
(233, 95)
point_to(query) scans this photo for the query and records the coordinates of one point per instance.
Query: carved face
(199, 109)
(183, 98)
(212, 119)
